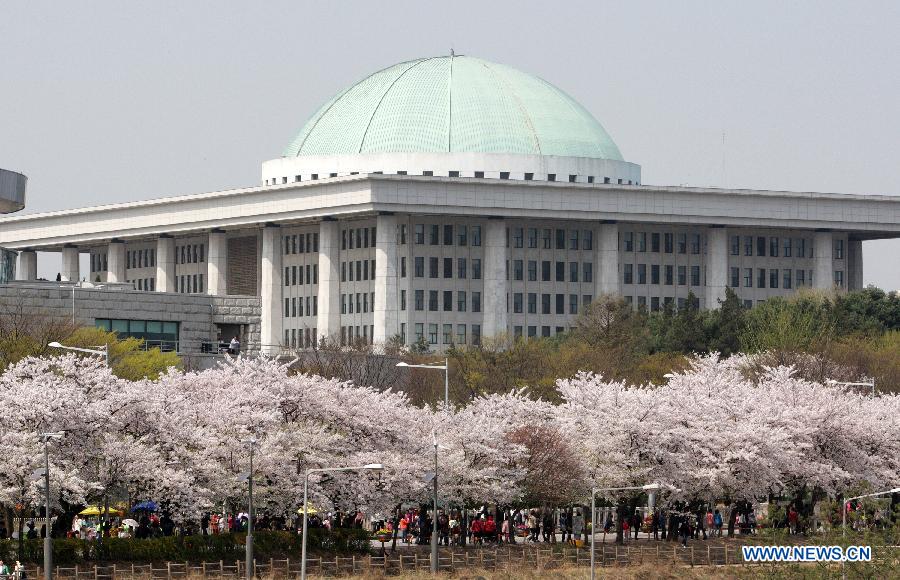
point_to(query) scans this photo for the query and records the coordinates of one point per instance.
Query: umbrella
(310, 511)
(130, 522)
(146, 506)
(96, 511)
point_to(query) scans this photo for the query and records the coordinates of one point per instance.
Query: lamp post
(869, 384)
(594, 492)
(48, 542)
(370, 466)
(445, 367)
(104, 352)
(251, 442)
(844, 516)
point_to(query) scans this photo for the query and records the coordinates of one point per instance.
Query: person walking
(19, 571)
(684, 530)
(504, 531)
(717, 522)
(533, 526)
(636, 522)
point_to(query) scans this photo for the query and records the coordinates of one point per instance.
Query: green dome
(453, 104)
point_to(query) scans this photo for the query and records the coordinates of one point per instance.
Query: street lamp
(48, 542)
(251, 442)
(594, 492)
(370, 466)
(104, 352)
(433, 478)
(869, 384)
(844, 516)
(445, 367)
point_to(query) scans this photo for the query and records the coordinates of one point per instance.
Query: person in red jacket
(490, 529)
(477, 530)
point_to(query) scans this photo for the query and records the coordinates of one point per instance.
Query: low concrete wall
(197, 314)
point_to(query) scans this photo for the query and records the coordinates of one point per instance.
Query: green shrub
(267, 544)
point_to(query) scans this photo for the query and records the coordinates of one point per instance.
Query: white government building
(453, 198)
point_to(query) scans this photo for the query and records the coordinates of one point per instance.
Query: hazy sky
(114, 101)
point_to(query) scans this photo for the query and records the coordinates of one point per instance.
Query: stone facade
(196, 314)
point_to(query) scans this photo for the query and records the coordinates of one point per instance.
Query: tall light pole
(251, 442)
(869, 384)
(445, 367)
(48, 542)
(594, 492)
(370, 466)
(844, 516)
(104, 352)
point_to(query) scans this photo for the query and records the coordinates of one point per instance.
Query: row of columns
(385, 308)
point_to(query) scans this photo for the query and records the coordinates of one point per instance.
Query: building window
(517, 237)
(518, 274)
(670, 275)
(419, 267)
(735, 277)
(448, 235)
(462, 233)
(420, 331)
(760, 246)
(748, 277)
(545, 270)
(573, 240)
(476, 268)
(801, 278)
(628, 273)
(786, 279)
(454, 174)
(735, 245)
(461, 268)
(560, 303)
(433, 267)
(551, 177)
(695, 275)
(654, 242)
(838, 254)
(529, 176)
(504, 175)
(695, 243)
(773, 247)
(433, 234)
(517, 303)
(572, 178)
(448, 300)
(642, 242)
(476, 304)
(545, 304)
(628, 242)
(588, 269)
(476, 235)
(573, 303)
(573, 271)
(801, 248)
(532, 303)
(479, 174)
(839, 278)
(460, 334)
(532, 270)
(560, 239)
(560, 271)
(682, 243)
(432, 300)
(448, 267)
(432, 333)
(547, 238)
(787, 248)
(642, 274)
(761, 278)
(461, 301)
(419, 233)
(420, 300)
(654, 274)
(773, 278)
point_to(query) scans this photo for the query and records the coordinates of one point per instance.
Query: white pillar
(115, 262)
(716, 266)
(328, 320)
(270, 291)
(854, 265)
(165, 264)
(70, 266)
(496, 318)
(823, 271)
(216, 257)
(386, 319)
(607, 274)
(27, 269)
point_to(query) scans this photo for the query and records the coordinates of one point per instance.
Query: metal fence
(502, 558)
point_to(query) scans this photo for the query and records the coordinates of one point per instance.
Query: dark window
(504, 175)
(551, 177)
